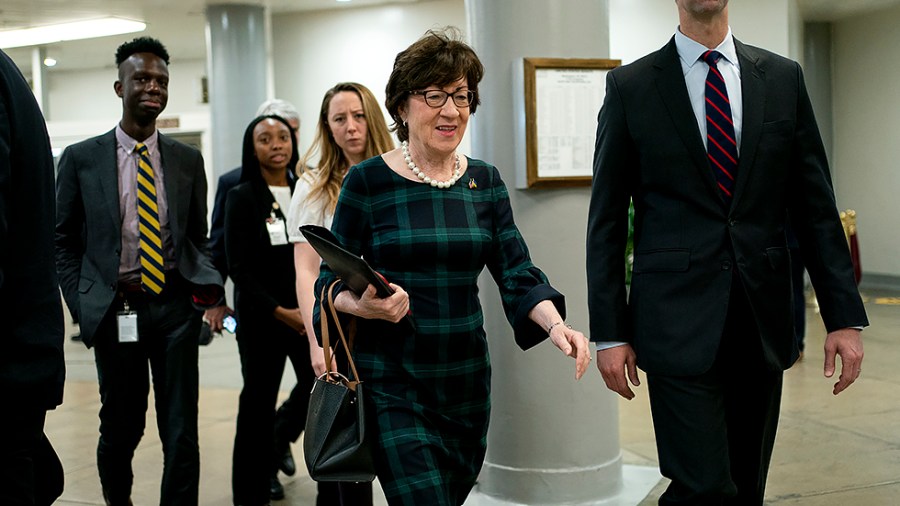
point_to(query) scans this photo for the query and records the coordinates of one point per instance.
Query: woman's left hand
(574, 344)
(290, 317)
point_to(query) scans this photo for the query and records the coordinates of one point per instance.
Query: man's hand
(613, 364)
(215, 315)
(848, 344)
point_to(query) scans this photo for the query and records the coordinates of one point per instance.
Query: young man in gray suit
(716, 143)
(134, 267)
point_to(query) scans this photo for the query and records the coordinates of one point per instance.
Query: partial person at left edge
(32, 368)
(133, 264)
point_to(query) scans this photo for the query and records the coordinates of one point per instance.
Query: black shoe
(124, 501)
(287, 464)
(276, 491)
(76, 336)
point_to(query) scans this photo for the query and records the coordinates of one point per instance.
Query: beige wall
(638, 27)
(866, 132)
(83, 103)
(316, 50)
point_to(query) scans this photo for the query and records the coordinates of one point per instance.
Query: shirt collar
(128, 143)
(690, 50)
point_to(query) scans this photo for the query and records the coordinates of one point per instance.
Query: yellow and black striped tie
(153, 277)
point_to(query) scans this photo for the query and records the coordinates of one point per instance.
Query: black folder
(353, 270)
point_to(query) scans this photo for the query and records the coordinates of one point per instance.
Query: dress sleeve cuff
(526, 331)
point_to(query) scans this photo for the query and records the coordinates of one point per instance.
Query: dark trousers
(168, 327)
(264, 343)
(715, 431)
(30, 471)
(291, 415)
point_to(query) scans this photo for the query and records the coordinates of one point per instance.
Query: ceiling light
(49, 62)
(87, 29)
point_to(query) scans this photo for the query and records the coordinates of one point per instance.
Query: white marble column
(40, 83)
(552, 440)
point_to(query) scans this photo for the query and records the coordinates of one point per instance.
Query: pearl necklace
(404, 146)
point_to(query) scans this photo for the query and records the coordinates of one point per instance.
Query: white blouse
(303, 212)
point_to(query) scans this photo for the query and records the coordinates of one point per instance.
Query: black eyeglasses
(437, 98)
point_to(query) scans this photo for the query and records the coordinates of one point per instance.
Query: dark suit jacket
(32, 369)
(687, 242)
(88, 227)
(227, 181)
(263, 274)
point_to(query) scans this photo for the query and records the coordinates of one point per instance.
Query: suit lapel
(671, 86)
(753, 81)
(108, 176)
(169, 162)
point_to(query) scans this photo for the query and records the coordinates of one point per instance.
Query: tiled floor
(830, 450)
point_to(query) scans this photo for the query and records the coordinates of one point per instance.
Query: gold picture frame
(562, 99)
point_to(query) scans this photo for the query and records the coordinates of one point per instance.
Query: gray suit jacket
(88, 227)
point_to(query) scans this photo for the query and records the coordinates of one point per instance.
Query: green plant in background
(629, 245)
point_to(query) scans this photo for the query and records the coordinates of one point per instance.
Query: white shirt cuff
(605, 345)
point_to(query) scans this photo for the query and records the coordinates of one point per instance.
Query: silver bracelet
(561, 322)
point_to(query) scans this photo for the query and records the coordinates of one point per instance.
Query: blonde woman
(351, 128)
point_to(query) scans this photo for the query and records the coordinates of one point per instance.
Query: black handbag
(336, 446)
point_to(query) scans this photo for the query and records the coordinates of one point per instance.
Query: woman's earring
(404, 123)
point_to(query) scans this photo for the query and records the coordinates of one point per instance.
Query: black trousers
(264, 344)
(168, 328)
(30, 471)
(715, 432)
(291, 415)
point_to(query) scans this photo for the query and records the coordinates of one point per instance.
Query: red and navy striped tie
(721, 146)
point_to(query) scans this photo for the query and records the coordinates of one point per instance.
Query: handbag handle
(326, 344)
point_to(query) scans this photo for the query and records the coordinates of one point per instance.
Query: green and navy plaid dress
(430, 389)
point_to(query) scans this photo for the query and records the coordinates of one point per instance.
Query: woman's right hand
(371, 307)
(317, 359)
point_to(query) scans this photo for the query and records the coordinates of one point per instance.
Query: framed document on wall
(562, 99)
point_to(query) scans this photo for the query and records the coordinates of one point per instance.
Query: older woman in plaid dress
(430, 221)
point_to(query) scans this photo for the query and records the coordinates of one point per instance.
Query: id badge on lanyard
(126, 320)
(276, 228)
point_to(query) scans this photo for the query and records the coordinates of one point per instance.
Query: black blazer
(687, 242)
(32, 369)
(264, 275)
(227, 181)
(88, 226)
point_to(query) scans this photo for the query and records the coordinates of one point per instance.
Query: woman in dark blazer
(261, 262)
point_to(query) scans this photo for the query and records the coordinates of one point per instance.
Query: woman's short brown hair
(439, 58)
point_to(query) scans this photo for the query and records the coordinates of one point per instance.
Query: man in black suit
(715, 142)
(133, 266)
(32, 368)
